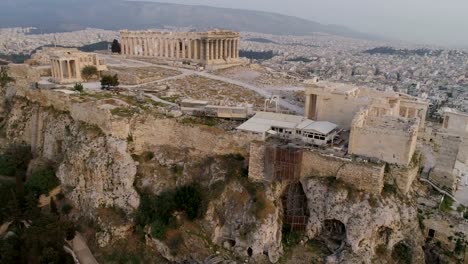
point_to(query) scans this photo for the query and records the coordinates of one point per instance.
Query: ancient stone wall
(448, 147)
(148, 132)
(404, 176)
(363, 176)
(390, 146)
(257, 161)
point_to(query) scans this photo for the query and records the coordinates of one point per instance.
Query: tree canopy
(116, 46)
(89, 72)
(109, 81)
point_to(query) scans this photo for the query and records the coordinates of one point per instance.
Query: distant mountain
(68, 15)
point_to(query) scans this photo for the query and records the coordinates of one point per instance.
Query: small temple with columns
(205, 48)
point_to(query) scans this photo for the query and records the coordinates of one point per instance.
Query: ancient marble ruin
(67, 64)
(206, 48)
(339, 103)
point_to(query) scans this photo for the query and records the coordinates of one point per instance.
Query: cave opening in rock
(333, 234)
(230, 243)
(296, 211)
(249, 251)
(383, 235)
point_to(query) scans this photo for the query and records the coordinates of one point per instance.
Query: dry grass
(197, 87)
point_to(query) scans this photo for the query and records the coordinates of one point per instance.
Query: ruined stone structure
(388, 138)
(265, 166)
(66, 65)
(452, 157)
(339, 103)
(207, 48)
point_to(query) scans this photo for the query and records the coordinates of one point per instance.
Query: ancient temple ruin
(67, 64)
(206, 48)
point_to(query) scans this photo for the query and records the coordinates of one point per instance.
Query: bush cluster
(42, 181)
(15, 160)
(158, 210)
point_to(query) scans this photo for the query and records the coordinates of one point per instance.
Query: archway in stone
(333, 233)
(296, 211)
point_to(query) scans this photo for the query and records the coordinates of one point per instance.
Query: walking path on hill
(112, 61)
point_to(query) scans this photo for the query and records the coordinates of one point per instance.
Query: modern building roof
(322, 127)
(264, 121)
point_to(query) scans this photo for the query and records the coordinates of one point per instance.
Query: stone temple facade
(67, 64)
(205, 48)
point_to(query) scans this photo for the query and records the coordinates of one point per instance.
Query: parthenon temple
(207, 48)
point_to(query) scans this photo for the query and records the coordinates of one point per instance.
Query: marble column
(184, 48)
(225, 49)
(216, 49)
(151, 46)
(212, 49)
(69, 69)
(195, 49)
(60, 69)
(228, 50)
(189, 49)
(160, 47)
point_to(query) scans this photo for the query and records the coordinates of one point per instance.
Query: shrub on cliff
(4, 77)
(189, 200)
(158, 210)
(42, 182)
(15, 160)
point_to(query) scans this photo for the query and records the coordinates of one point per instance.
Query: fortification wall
(339, 109)
(257, 161)
(394, 147)
(446, 157)
(404, 176)
(363, 176)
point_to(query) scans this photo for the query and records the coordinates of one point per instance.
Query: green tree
(4, 77)
(78, 87)
(116, 46)
(89, 72)
(109, 81)
(15, 160)
(42, 182)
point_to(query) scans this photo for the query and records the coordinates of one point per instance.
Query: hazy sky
(422, 21)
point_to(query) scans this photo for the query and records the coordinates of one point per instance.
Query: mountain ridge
(68, 15)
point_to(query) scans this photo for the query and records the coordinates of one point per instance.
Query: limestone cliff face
(244, 229)
(371, 226)
(95, 170)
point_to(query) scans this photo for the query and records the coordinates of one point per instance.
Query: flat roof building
(290, 127)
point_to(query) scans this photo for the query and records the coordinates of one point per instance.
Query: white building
(290, 127)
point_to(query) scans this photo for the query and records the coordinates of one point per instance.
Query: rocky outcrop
(95, 170)
(240, 226)
(370, 225)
